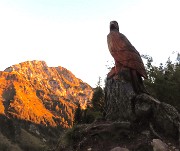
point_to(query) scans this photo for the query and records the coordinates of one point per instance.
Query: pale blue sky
(72, 33)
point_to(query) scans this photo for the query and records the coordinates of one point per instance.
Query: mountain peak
(41, 94)
(26, 64)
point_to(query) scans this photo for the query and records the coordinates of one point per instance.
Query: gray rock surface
(119, 149)
(158, 145)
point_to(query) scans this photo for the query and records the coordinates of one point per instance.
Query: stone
(158, 145)
(167, 119)
(119, 149)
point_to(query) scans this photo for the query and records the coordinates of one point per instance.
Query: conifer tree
(164, 81)
(78, 115)
(98, 97)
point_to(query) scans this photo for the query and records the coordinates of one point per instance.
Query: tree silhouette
(78, 115)
(164, 81)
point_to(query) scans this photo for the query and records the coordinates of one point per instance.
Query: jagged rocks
(34, 92)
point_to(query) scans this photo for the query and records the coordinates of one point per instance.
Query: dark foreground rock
(105, 136)
(134, 122)
(142, 110)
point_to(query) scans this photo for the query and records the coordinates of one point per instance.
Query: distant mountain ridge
(34, 92)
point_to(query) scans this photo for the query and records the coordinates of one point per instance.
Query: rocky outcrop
(123, 104)
(141, 110)
(135, 122)
(34, 92)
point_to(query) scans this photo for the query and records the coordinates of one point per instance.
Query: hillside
(37, 103)
(34, 92)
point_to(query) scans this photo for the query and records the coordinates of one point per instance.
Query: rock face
(34, 92)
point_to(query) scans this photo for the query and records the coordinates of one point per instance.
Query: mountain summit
(34, 92)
